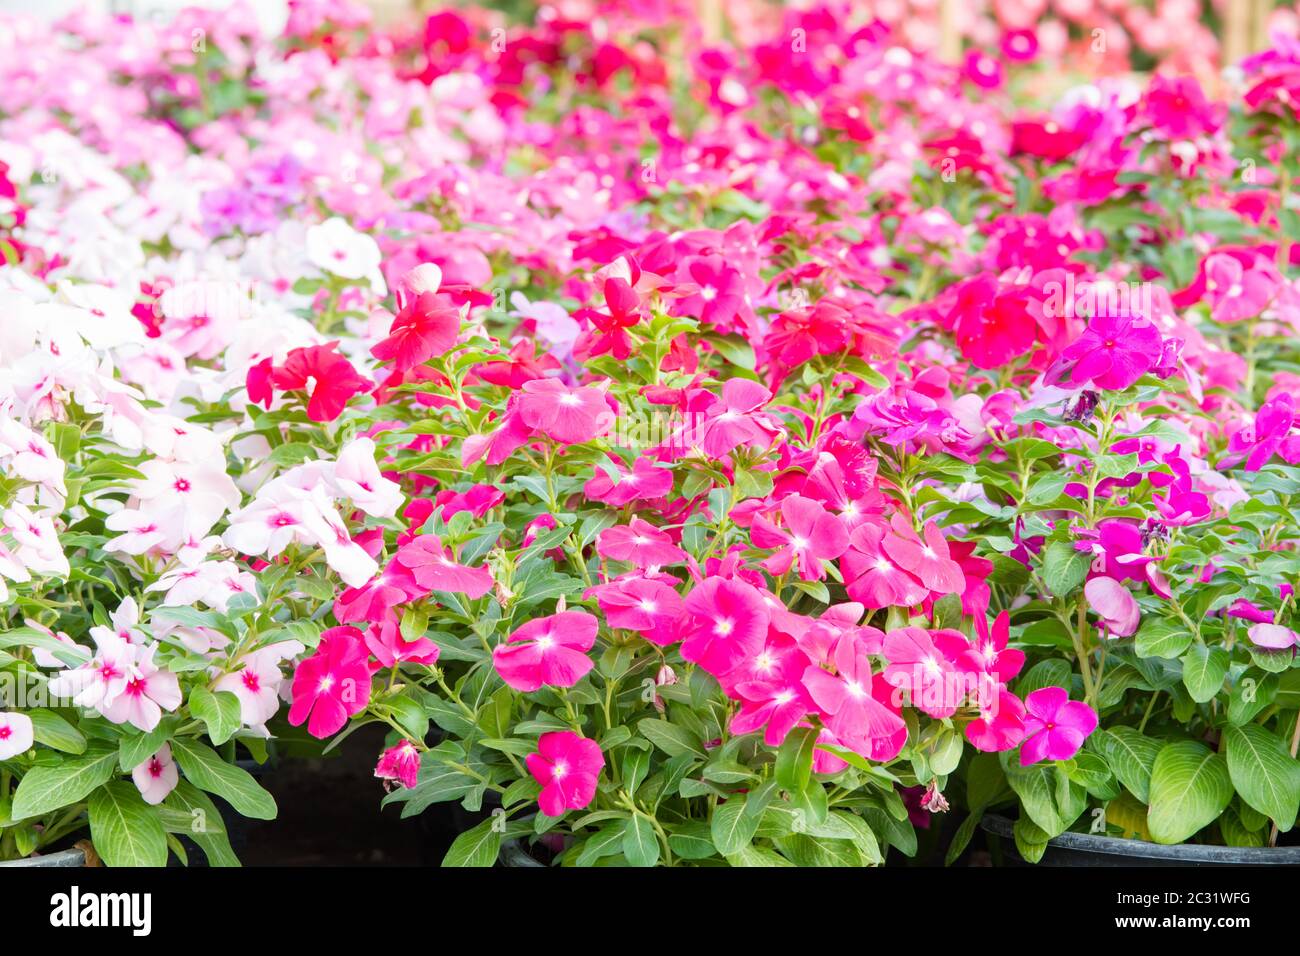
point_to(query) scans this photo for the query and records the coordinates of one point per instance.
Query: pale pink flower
(157, 776)
(147, 693)
(16, 734)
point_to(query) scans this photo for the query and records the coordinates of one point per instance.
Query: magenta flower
(849, 706)
(400, 763)
(734, 420)
(1114, 604)
(1268, 434)
(567, 766)
(646, 481)
(811, 535)
(1114, 352)
(728, 624)
(640, 544)
(990, 655)
(333, 684)
(568, 415)
(1055, 726)
(547, 650)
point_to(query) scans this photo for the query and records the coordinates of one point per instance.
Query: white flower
(337, 248)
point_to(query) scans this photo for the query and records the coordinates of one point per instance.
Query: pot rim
(1177, 852)
(514, 853)
(72, 857)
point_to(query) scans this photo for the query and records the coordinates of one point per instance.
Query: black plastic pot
(1086, 849)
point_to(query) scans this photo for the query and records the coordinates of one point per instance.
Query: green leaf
(209, 772)
(126, 831)
(46, 788)
(672, 739)
(757, 856)
(1031, 840)
(1131, 757)
(1064, 568)
(205, 828)
(607, 841)
(640, 847)
(1264, 773)
(219, 711)
(52, 730)
(795, 758)
(1190, 787)
(962, 837)
(476, 847)
(732, 828)
(692, 841)
(1160, 638)
(1204, 668)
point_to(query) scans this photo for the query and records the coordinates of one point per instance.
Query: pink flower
(389, 647)
(1000, 724)
(926, 673)
(147, 693)
(157, 776)
(1268, 434)
(567, 766)
(872, 577)
(732, 420)
(1114, 604)
(400, 763)
(644, 605)
(728, 623)
(568, 415)
(1272, 636)
(547, 650)
(991, 654)
(1055, 726)
(639, 543)
(1113, 352)
(852, 711)
(331, 685)
(775, 697)
(16, 734)
(1236, 292)
(646, 481)
(929, 560)
(435, 569)
(811, 535)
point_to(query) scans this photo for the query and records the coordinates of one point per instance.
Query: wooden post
(1259, 24)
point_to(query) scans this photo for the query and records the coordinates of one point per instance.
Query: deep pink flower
(1114, 352)
(568, 415)
(1055, 726)
(872, 577)
(389, 647)
(990, 655)
(646, 481)
(400, 763)
(1000, 724)
(1268, 434)
(547, 650)
(727, 624)
(644, 605)
(929, 560)
(332, 684)
(427, 325)
(434, 568)
(567, 766)
(733, 419)
(639, 543)
(774, 695)
(845, 697)
(810, 535)
(924, 671)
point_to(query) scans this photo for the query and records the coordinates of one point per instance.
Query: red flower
(328, 377)
(426, 326)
